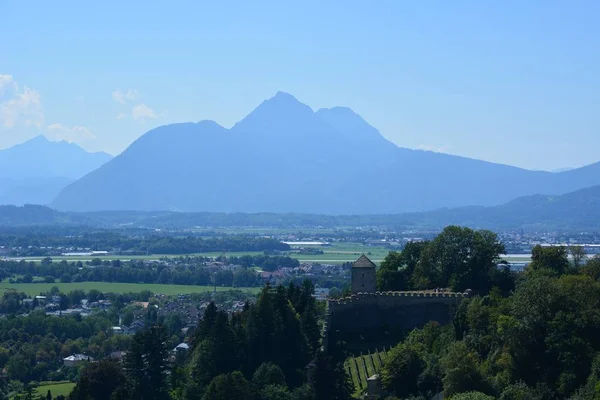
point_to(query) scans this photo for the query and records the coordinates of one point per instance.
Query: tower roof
(363, 262)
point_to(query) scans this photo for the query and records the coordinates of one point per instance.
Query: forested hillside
(568, 212)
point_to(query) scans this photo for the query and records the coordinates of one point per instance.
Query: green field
(362, 367)
(56, 389)
(33, 289)
(337, 253)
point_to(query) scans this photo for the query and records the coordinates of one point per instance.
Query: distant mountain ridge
(573, 212)
(37, 170)
(42, 158)
(283, 157)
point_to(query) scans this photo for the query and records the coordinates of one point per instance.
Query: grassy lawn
(33, 289)
(56, 389)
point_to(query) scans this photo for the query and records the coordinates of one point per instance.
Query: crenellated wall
(396, 310)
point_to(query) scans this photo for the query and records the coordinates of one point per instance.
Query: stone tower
(363, 275)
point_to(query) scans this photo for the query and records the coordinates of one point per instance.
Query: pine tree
(330, 379)
(146, 365)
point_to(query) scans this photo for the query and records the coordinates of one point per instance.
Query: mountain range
(572, 212)
(285, 157)
(37, 170)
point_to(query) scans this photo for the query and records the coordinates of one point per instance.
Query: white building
(76, 359)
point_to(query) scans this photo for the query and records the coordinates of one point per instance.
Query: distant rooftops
(307, 243)
(88, 253)
(78, 357)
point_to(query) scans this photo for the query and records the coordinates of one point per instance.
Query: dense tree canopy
(458, 258)
(540, 342)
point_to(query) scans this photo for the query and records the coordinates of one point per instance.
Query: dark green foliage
(274, 392)
(229, 386)
(191, 271)
(268, 374)
(413, 367)
(98, 381)
(216, 354)
(472, 396)
(397, 268)
(540, 342)
(520, 391)
(274, 334)
(462, 371)
(403, 367)
(459, 258)
(552, 259)
(146, 365)
(391, 274)
(265, 262)
(330, 379)
(592, 268)
(301, 298)
(267, 341)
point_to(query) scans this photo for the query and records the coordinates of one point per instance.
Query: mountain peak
(281, 110)
(52, 160)
(38, 139)
(285, 101)
(284, 96)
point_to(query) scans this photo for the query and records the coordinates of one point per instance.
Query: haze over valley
(315, 200)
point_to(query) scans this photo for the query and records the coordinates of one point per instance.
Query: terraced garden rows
(362, 367)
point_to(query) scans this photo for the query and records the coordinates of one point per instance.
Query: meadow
(337, 253)
(57, 389)
(33, 289)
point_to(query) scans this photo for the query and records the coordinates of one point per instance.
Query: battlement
(422, 294)
(370, 316)
(395, 299)
(362, 313)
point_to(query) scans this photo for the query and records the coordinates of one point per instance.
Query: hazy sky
(516, 82)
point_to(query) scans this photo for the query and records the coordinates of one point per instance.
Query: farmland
(33, 289)
(337, 253)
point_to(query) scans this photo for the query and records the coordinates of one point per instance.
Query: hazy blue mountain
(41, 158)
(283, 157)
(576, 211)
(37, 170)
(31, 190)
(579, 210)
(30, 215)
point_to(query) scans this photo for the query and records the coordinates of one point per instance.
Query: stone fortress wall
(371, 311)
(407, 310)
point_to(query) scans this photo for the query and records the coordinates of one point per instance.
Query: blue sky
(514, 82)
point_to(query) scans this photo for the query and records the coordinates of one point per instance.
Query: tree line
(531, 335)
(140, 271)
(43, 244)
(263, 352)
